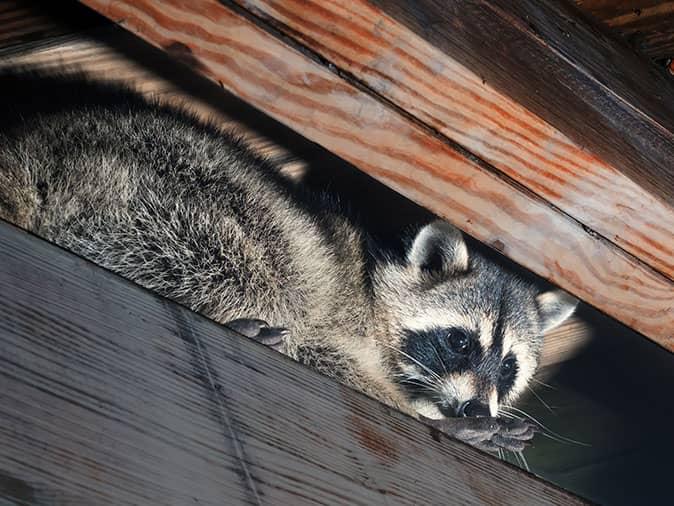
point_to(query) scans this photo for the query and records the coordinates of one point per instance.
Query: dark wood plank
(111, 395)
(308, 95)
(647, 25)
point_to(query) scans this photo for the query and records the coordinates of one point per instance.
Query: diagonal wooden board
(310, 95)
(111, 395)
(413, 65)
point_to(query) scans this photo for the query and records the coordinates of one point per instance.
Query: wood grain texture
(566, 342)
(598, 93)
(316, 102)
(647, 25)
(111, 395)
(424, 81)
(105, 56)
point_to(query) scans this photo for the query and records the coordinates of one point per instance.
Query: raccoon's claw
(508, 443)
(469, 430)
(260, 331)
(518, 429)
(487, 433)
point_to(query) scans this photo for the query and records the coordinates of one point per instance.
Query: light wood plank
(111, 395)
(311, 98)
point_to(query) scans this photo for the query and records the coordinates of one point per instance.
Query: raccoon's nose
(473, 408)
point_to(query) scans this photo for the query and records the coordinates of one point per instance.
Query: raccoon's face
(463, 335)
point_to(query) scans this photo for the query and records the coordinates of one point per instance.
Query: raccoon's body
(187, 211)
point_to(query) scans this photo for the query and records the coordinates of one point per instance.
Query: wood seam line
(185, 316)
(517, 22)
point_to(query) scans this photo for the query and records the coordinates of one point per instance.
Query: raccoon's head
(463, 335)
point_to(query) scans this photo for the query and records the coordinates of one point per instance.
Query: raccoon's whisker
(522, 413)
(547, 406)
(565, 440)
(547, 431)
(442, 362)
(425, 368)
(523, 460)
(505, 414)
(417, 378)
(518, 462)
(427, 387)
(543, 384)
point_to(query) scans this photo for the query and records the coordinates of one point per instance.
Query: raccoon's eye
(508, 368)
(459, 341)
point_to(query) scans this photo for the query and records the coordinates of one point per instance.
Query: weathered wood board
(112, 395)
(270, 71)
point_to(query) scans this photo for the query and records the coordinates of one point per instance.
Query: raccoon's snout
(472, 408)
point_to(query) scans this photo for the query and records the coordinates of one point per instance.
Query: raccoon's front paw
(260, 331)
(486, 433)
(513, 435)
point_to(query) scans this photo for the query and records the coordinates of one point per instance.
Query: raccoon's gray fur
(186, 210)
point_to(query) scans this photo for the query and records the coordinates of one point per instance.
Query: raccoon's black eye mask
(507, 375)
(446, 351)
(443, 350)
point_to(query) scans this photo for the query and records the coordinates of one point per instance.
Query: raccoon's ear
(439, 247)
(554, 307)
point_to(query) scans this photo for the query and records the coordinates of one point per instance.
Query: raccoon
(188, 211)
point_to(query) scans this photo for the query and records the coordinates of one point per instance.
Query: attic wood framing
(443, 137)
(118, 396)
(647, 25)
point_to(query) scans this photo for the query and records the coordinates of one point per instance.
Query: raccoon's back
(154, 195)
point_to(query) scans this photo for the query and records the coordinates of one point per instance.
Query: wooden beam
(112, 395)
(647, 25)
(266, 69)
(431, 84)
(600, 94)
(28, 22)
